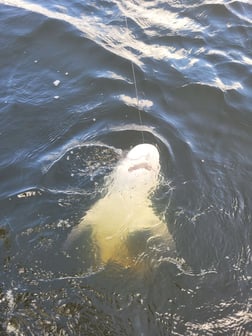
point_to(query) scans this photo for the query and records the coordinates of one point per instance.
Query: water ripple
(69, 112)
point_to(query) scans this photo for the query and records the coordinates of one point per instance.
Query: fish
(126, 211)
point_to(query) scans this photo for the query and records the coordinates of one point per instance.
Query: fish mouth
(142, 165)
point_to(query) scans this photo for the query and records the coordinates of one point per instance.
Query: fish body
(126, 208)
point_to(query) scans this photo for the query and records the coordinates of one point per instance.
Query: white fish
(126, 208)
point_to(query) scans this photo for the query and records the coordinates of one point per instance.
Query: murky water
(68, 114)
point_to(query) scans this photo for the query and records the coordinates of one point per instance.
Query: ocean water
(69, 110)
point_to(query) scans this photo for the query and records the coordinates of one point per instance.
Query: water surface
(68, 112)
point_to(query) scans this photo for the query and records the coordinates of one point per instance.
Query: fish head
(138, 172)
(143, 156)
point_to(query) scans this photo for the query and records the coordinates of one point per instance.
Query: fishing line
(135, 85)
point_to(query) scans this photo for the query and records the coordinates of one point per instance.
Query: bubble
(56, 82)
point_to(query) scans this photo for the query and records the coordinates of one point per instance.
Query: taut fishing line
(135, 85)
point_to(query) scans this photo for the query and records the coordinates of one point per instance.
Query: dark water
(193, 62)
